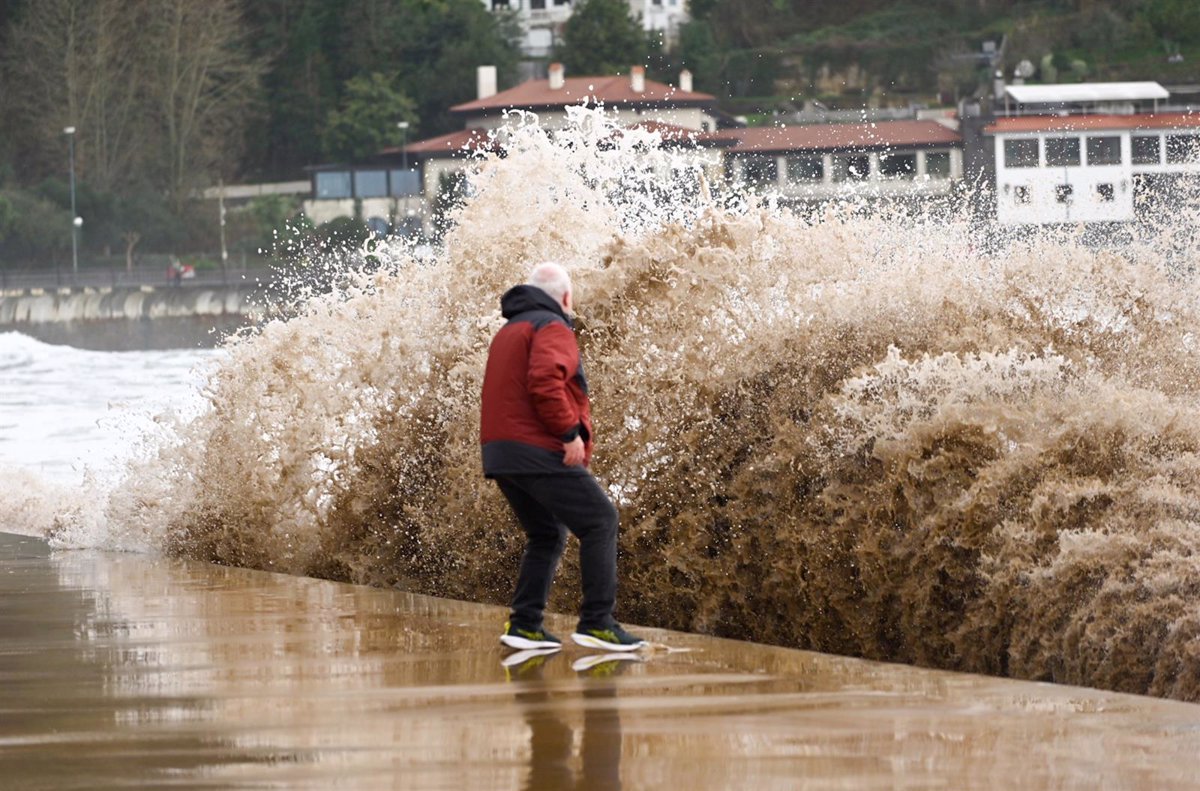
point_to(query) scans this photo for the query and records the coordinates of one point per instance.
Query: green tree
(39, 231)
(6, 216)
(1174, 20)
(434, 46)
(158, 92)
(699, 52)
(343, 232)
(78, 63)
(602, 38)
(202, 83)
(300, 41)
(366, 120)
(263, 223)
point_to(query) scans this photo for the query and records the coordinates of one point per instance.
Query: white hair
(552, 279)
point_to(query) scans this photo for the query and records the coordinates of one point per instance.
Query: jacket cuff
(571, 435)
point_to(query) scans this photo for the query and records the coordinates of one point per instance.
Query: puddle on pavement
(129, 671)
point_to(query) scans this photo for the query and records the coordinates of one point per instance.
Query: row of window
(1065, 193)
(333, 184)
(810, 169)
(1100, 150)
(534, 5)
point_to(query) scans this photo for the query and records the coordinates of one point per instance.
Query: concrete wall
(19, 309)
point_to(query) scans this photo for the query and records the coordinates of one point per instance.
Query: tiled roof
(453, 144)
(833, 137)
(1084, 123)
(537, 94)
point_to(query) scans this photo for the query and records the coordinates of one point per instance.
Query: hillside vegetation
(171, 96)
(760, 53)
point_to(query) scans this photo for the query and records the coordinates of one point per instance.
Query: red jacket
(534, 390)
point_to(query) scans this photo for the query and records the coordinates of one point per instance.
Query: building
(1090, 153)
(920, 157)
(664, 16)
(629, 99)
(542, 21)
(812, 162)
(398, 188)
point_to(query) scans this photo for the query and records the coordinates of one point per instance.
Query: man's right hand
(573, 452)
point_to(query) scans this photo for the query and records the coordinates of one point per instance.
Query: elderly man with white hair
(536, 431)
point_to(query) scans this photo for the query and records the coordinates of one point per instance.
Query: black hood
(522, 299)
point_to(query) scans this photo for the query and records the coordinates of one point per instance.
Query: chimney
(637, 79)
(557, 80)
(685, 81)
(485, 81)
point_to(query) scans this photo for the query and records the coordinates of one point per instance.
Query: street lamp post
(76, 220)
(403, 127)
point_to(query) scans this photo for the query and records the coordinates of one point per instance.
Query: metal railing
(119, 277)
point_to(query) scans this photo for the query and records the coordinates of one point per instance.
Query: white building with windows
(1088, 153)
(542, 20)
(906, 158)
(665, 16)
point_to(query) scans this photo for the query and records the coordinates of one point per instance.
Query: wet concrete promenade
(124, 671)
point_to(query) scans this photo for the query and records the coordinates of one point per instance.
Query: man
(536, 430)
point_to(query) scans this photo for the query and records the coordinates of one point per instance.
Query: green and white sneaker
(610, 638)
(523, 639)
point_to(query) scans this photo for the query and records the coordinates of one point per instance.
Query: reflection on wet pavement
(137, 672)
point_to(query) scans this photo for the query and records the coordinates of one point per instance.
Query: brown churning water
(857, 431)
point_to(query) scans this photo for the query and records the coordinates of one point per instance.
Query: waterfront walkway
(128, 671)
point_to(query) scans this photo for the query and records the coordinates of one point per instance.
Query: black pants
(547, 506)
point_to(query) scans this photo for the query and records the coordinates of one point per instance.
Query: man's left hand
(573, 452)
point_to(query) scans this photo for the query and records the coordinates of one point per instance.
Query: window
(937, 164)
(851, 167)
(1105, 193)
(1021, 153)
(760, 170)
(1063, 193)
(537, 5)
(805, 168)
(333, 184)
(1062, 151)
(1183, 148)
(1104, 150)
(898, 166)
(1147, 150)
(405, 183)
(370, 184)
(1021, 194)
